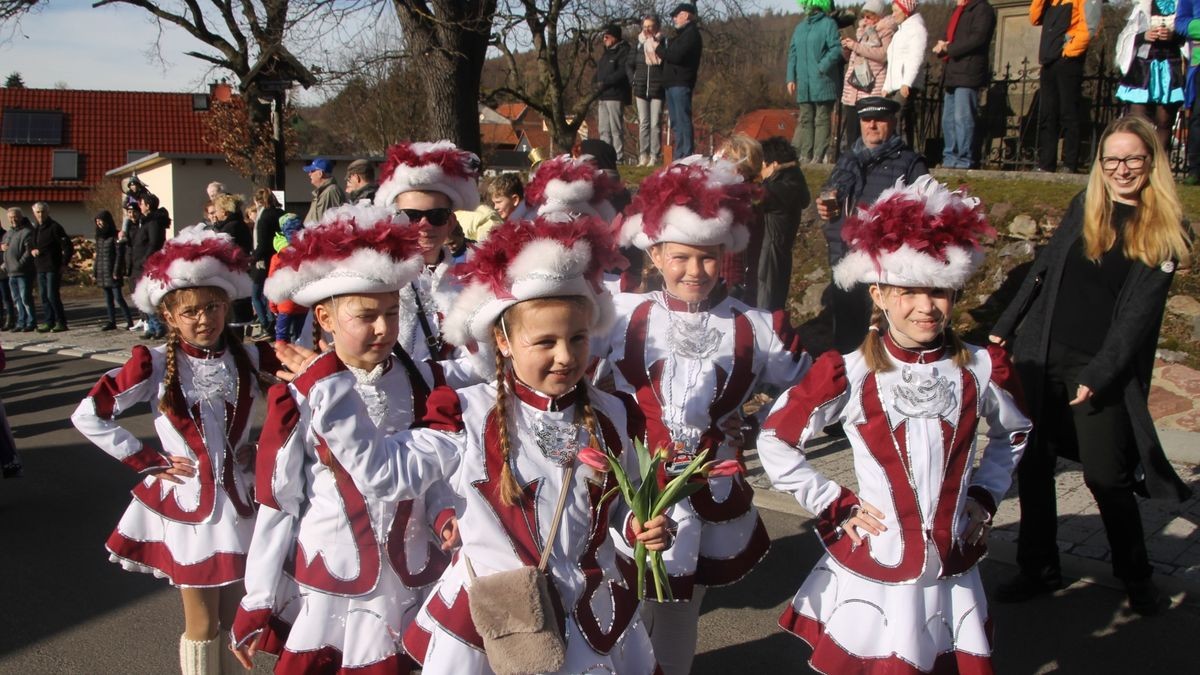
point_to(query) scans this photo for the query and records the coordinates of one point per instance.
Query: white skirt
(856, 625)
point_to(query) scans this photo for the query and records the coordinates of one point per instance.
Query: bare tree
(449, 39)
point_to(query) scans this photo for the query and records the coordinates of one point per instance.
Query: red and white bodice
(318, 524)
(690, 369)
(462, 444)
(219, 395)
(912, 431)
(429, 297)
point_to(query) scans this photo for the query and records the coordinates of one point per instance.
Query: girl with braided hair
(898, 589)
(192, 515)
(508, 448)
(335, 573)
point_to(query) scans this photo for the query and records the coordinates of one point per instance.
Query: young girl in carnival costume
(192, 515)
(898, 589)
(335, 575)
(508, 449)
(428, 182)
(691, 356)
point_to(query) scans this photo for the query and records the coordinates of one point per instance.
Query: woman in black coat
(266, 226)
(1084, 327)
(227, 213)
(109, 268)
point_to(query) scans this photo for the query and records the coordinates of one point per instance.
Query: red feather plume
(901, 219)
(493, 257)
(339, 239)
(453, 161)
(221, 248)
(687, 185)
(570, 169)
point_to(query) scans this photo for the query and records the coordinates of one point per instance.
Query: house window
(134, 155)
(200, 102)
(66, 165)
(32, 127)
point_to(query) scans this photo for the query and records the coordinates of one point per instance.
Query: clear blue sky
(110, 48)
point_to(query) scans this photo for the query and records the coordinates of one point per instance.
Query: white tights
(673, 628)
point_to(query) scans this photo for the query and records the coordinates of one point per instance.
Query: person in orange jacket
(290, 318)
(1067, 27)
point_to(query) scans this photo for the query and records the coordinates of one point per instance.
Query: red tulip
(729, 467)
(594, 458)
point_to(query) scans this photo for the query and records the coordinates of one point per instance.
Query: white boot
(199, 657)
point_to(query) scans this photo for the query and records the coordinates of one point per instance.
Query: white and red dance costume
(691, 367)
(591, 586)
(910, 599)
(194, 533)
(334, 574)
(443, 168)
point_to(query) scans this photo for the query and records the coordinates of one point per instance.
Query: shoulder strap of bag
(568, 478)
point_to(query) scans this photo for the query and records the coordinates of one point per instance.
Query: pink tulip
(594, 458)
(729, 467)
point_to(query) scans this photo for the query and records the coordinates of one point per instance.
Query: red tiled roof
(512, 111)
(101, 126)
(498, 135)
(768, 122)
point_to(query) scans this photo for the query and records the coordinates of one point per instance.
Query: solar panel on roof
(31, 127)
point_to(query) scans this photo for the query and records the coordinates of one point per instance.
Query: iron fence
(1008, 133)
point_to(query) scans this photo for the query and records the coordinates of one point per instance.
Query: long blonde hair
(746, 153)
(1155, 234)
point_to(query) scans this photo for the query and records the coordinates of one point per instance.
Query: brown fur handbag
(513, 612)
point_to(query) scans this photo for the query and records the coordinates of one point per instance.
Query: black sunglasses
(435, 217)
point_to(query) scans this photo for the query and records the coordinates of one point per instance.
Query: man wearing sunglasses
(428, 182)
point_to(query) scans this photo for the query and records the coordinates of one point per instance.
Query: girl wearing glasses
(428, 182)
(192, 514)
(1083, 328)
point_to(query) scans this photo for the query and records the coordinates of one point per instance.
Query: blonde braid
(590, 421)
(510, 491)
(170, 374)
(874, 353)
(317, 333)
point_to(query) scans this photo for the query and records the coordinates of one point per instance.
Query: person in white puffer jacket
(906, 63)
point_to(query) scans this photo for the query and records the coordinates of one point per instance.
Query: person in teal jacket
(814, 77)
(1187, 24)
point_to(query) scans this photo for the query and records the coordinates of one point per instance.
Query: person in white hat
(691, 355)
(898, 587)
(335, 573)
(509, 450)
(428, 182)
(192, 515)
(566, 185)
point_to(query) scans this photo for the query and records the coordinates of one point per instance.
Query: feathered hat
(525, 260)
(365, 249)
(430, 167)
(566, 185)
(693, 201)
(914, 235)
(192, 258)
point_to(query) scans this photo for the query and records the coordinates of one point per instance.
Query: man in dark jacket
(876, 161)
(965, 49)
(49, 257)
(681, 59)
(360, 182)
(785, 196)
(612, 81)
(646, 76)
(148, 239)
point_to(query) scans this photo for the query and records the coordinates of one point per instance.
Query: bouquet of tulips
(648, 500)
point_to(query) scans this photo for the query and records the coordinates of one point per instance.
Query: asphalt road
(65, 609)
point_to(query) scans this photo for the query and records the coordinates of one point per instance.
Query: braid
(590, 422)
(874, 353)
(317, 333)
(170, 374)
(510, 492)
